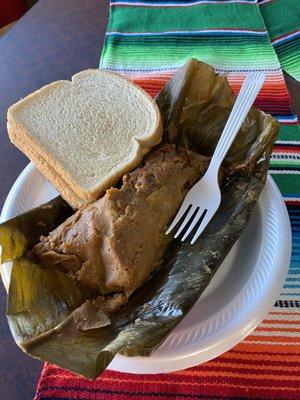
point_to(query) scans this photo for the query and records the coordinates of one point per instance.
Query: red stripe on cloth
(273, 98)
(286, 149)
(294, 313)
(282, 321)
(259, 362)
(277, 329)
(292, 202)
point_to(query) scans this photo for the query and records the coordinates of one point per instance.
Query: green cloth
(282, 19)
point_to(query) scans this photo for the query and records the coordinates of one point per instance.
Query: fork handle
(248, 93)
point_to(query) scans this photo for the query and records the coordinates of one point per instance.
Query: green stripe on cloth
(142, 51)
(289, 133)
(198, 17)
(287, 157)
(282, 19)
(289, 56)
(289, 183)
(284, 163)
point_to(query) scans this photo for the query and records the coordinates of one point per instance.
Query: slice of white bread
(65, 191)
(84, 134)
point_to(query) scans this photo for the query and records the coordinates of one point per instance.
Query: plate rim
(152, 365)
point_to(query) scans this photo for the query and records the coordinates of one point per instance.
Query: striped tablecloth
(147, 41)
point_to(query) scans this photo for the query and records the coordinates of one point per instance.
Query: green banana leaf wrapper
(51, 317)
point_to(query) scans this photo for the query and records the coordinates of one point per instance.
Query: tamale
(112, 245)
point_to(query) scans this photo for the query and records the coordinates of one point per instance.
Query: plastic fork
(204, 198)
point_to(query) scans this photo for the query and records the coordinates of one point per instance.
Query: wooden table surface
(54, 40)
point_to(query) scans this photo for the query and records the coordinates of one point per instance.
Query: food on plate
(113, 245)
(84, 134)
(107, 281)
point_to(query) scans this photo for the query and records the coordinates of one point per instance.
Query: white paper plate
(236, 301)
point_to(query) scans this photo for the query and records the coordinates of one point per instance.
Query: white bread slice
(66, 192)
(86, 133)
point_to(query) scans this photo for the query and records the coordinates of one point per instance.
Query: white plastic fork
(204, 198)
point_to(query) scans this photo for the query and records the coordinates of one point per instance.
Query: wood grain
(54, 40)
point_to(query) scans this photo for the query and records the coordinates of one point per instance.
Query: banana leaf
(19, 234)
(52, 318)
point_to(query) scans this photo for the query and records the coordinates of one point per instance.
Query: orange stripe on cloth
(232, 365)
(261, 357)
(273, 339)
(277, 329)
(281, 321)
(285, 313)
(249, 375)
(261, 348)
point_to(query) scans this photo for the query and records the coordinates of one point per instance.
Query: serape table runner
(148, 41)
(282, 19)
